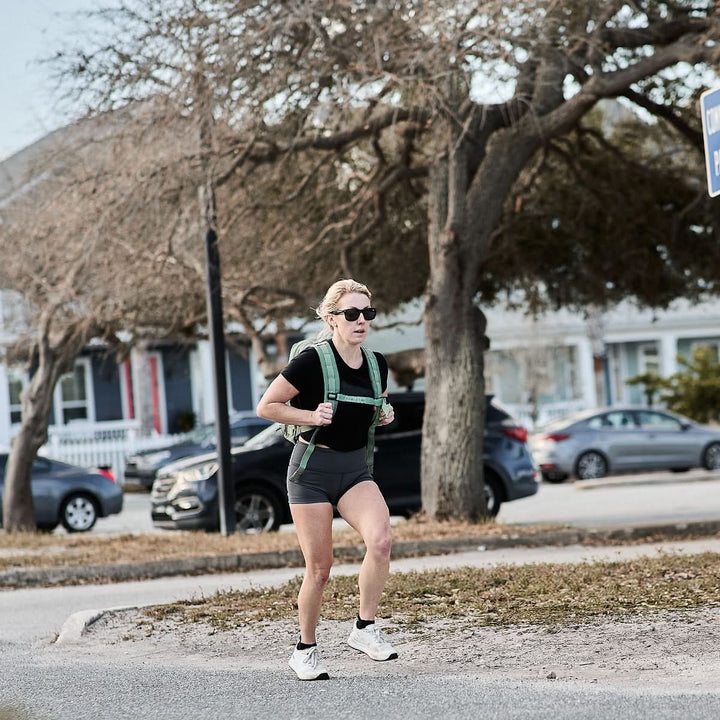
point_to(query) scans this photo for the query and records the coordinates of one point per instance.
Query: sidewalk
(135, 595)
(33, 577)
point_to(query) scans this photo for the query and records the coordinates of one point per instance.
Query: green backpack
(332, 394)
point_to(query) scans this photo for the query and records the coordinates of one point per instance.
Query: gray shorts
(328, 476)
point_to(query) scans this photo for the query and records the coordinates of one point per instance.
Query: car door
(43, 487)
(47, 488)
(666, 444)
(397, 455)
(618, 436)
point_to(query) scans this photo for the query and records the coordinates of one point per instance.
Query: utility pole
(226, 490)
(206, 197)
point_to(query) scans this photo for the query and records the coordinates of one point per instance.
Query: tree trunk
(53, 361)
(452, 446)
(462, 215)
(18, 508)
(452, 454)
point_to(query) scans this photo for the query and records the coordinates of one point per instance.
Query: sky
(30, 30)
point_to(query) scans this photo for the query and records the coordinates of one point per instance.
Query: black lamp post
(226, 490)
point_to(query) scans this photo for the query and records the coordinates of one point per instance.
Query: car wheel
(591, 465)
(711, 457)
(46, 527)
(78, 513)
(554, 477)
(493, 494)
(257, 509)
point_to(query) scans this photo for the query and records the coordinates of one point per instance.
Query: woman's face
(352, 332)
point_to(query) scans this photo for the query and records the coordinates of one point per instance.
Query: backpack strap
(332, 394)
(378, 400)
(331, 391)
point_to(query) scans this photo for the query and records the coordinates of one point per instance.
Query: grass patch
(505, 595)
(26, 550)
(42, 550)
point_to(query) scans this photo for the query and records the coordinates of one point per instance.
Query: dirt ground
(673, 650)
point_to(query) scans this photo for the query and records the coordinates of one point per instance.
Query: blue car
(69, 495)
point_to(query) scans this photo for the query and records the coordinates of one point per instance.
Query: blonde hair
(333, 295)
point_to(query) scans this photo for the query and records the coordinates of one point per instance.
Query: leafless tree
(91, 260)
(450, 103)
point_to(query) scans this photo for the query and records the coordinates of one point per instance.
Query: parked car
(142, 466)
(185, 494)
(69, 495)
(595, 443)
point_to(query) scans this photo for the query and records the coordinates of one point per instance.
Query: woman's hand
(387, 415)
(323, 414)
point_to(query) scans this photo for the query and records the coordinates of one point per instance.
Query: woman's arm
(272, 406)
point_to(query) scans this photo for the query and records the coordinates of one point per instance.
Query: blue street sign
(710, 108)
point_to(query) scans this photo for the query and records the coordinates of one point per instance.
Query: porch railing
(104, 444)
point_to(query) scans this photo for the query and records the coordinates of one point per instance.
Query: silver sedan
(595, 443)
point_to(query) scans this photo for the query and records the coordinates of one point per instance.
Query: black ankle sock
(362, 624)
(304, 646)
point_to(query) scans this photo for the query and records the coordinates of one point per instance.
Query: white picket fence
(101, 444)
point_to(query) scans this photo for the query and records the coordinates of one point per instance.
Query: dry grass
(505, 595)
(23, 550)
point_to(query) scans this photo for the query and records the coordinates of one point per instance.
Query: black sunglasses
(353, 313)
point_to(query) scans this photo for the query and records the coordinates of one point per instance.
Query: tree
(652, 384)
(87, 268)
(695, 391)
(454, 104)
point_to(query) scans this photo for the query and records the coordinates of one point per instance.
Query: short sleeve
(383, 368)
(304, 373)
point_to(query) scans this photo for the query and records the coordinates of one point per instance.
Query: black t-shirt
(351, 421)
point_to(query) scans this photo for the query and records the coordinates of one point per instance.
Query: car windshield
(202, 434)
(269, 436)
(565, 421)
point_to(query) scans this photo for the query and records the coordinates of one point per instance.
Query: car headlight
(196, 474)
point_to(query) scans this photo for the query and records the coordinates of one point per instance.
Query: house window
(17, 380)
(649, 360)
(74, 394)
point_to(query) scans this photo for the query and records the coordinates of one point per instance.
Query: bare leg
(364, 508)
(313, 524)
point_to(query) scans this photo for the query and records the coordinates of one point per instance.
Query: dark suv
(184, 495)
(143, 466)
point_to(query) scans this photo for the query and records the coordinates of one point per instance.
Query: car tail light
(516, 433)
(107, 473)
(557, 437)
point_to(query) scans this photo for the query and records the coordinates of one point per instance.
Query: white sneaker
(370, 641)
(307, 665)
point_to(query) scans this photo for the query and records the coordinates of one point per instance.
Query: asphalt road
(70, 680)
(45, 680)
(61, 685)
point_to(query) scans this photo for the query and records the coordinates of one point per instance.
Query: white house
(565, 361)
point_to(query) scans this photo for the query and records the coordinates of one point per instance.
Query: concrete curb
(657, 478)
(77, 624)
(22, 578)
